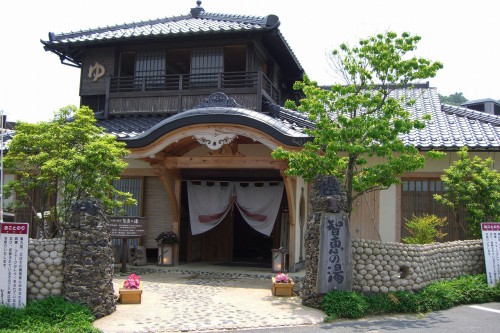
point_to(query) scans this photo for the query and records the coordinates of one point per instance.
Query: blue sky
(463, 35)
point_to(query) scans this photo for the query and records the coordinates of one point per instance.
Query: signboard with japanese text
(13, 264)
(127, 226)
(491, 248)
(334, 264)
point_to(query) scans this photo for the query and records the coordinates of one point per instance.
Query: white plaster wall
(438, 165)
(388, 216)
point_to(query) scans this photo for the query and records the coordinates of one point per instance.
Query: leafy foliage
(50, 315)
(472, 184)
(425, 229)
(453, 99)
(437, 296)
(344, 304)
(358, 125)
(66, 159)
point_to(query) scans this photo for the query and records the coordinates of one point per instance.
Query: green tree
(358, 124)
(472, 184)
(66, 159)
(453, 99)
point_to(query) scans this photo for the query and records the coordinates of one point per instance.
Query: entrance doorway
(233, 241)
(249, 245)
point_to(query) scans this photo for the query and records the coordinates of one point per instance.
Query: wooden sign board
(335, 251)
(127, 226)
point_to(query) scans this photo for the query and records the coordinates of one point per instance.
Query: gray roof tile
(450, 127)
(204, 23)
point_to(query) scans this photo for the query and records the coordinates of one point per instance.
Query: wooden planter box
(130, 296)
(283, 289)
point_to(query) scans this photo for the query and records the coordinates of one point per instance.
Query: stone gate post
(88, 259)
(328, 242)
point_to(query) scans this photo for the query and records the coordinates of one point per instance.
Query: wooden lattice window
(206, 65)
(417, 199)
(133, 186)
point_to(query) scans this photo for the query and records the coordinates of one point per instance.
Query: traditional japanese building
(198, 100)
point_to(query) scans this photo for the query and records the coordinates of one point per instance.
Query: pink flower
(282, 278)
(133, 282)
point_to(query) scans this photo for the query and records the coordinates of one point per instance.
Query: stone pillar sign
(327, 242)
(335, 254)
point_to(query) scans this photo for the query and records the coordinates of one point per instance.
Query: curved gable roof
(139, 131)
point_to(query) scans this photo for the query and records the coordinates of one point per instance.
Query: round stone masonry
(412, 266)
(45, 257)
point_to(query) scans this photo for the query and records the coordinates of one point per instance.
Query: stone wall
(45, 268)
(384, 267)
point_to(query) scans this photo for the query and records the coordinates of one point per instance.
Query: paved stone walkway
(175, 302)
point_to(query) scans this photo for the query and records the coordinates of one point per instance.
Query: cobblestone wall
(45, 268)
(88, 259)
(384, 267)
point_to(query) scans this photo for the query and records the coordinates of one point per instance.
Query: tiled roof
(204, 23)
(196, 23)
(140, 130)
(130, 126)
(450, 127)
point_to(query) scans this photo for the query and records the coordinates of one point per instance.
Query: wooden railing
(227, 80)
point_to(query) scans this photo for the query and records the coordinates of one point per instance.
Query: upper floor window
(142, 63)
(206, 64)
(157, 69)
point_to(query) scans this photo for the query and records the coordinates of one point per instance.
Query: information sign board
(127, 226)
(13, 263)
(491, 248)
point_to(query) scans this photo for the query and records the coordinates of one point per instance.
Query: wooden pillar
(171, 181)
(291, 190)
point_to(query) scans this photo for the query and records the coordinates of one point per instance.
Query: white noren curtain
(258, 203)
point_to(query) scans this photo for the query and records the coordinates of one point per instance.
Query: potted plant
(131, 291)
(282, 285)
(165, 242)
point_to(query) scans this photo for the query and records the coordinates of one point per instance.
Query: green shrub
(437, 296)
(425, 229)
(381, 304)
(52, 314)
(344, 304)
(440, 295)
(406, 301)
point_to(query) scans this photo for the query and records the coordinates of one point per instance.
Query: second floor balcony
(177, 93)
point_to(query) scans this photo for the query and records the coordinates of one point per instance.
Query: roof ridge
(54, 37)
(472, 114)
(266, 21)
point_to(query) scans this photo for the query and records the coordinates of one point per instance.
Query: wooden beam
(224, 162)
